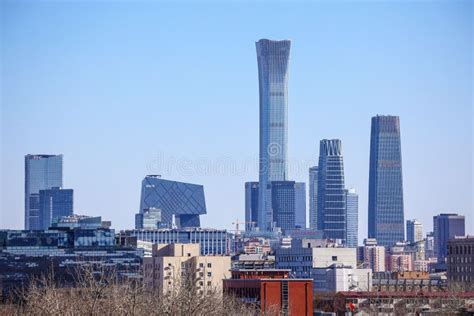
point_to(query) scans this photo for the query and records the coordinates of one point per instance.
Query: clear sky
(124, 89)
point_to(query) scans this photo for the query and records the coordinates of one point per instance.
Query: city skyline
(224, 193)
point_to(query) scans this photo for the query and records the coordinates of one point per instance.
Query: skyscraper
(283, 204)
(184, 201)
(41, 172)
(53, 204)
(414, 231)
(386, 216)
(313, 197)
(352, 212)
(251, 205)
(300, 204)
(273, 60)
(445, 227)
(331, 192)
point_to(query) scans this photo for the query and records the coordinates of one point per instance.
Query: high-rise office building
(300, 205)
(445, 227)
(313, 197)
(332, 218)
(183, 201)
(283, 204)
(54, 203)
(386, 216)
(41, 172)
(414, 231)
(352, 213)
(251, 205)
(273, 61)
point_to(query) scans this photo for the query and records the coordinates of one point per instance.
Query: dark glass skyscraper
(184, 201)
(273, 60)
(445, 227)
(53, 204)
(41, 172)
(331, 192)
(251, 205)
(386, 216)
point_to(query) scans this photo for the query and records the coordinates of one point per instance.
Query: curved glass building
(273, 59)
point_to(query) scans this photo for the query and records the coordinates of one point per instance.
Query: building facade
(386, 212)
(149, 219)
(211, 241)
(460, 260)
(184, 202)
(313, 197)
(352, 213)
(174, 266)
(251, 205)
(53, 204)
(332, 219)
(273, 61)
(41, 172)
(374, 256)
(414, 231)
(271, 290)
(300, 205)
(445, 227)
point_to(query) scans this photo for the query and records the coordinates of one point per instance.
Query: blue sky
(125, 89)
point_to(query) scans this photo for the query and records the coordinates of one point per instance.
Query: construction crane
(237, 223)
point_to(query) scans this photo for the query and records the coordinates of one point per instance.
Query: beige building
(174, 265)
(374, 256)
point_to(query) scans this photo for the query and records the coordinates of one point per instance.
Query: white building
(331, 267)
(414, 230)
(337, 278)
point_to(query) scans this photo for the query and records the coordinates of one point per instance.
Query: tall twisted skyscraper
(331, 218)
(386, 219)
(273, 60)
(42, 172)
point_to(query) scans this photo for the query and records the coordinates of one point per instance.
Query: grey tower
(273, 60)
(42, 172)
(386, 216)
(331, 192)
(352, 213)
(313, 197)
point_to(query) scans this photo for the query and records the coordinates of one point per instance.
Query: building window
(209, 274)
(334, 258)
(209, 265)
(209, 283)
(201, 265)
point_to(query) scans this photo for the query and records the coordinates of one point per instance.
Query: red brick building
(272, 291)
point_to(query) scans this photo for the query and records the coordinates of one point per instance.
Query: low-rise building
(460, 259)
(175, 265)
(336, 278)
(212, 241)
(272, 291)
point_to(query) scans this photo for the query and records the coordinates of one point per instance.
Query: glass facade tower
(251, 205)
(54, 203)
(445, 227)
(42, 172)
(182, 201)
(331, 192)
(313, 197)
(273, 61)
(352, 213)
(386, 215)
